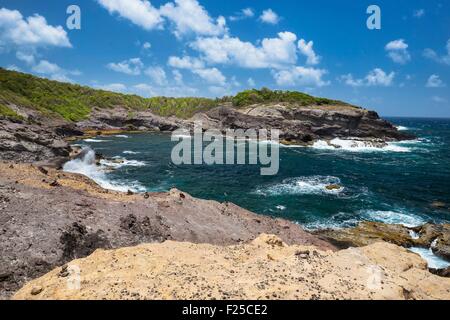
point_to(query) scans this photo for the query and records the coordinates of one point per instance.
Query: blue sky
(214, 48)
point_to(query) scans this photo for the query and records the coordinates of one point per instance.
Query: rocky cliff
(48, 218)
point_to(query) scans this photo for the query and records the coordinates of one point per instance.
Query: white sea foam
(351, 145)
(130, 152)
(119, 162)
(281, 208)
(433, 260)
(392, 217)
(95, 140)
(303, 185)
(402, 128)
(87, 166)
(121, 136)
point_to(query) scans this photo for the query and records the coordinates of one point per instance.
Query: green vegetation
(8, 113)
(249, 97)
(74, 102)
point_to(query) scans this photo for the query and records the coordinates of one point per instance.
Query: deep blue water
(397, 185)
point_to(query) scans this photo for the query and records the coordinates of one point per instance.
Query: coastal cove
(406, 182)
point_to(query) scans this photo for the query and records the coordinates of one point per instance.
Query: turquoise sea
(396, 184)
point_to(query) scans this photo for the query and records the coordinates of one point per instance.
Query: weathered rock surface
(266, 268)
(22, 142)
(48, 218)
(302, 125)
(436, 237)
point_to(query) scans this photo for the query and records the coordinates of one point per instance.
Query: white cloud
(196, 66)
(435, 82)
(300, 76)
(398, 51)
(178, 77)
(306, 48)
(419, 13)
(146, 45)
(188, 16)
(131, 66)
(54, 72)
(272, 53)
(30, 32)
(251, 82)
(140, 12)
(438, 99)
(157, 74)
(146, 90)
(28, 58)
(269, 16)
(115, 87)
(211, 75)
(376, 77)
(13, 67)
(248, 12)
(243, 14)
(45, 67)
(444, 59)
(185, 62)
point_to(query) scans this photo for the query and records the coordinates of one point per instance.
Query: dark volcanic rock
(22, 142)
(305, 124)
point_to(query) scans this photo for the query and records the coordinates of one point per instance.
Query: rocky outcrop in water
(303, 125)
(436, 237)
(48, 217)
(264, 269)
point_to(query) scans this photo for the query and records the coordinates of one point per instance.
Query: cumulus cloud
(131, 66)
(26, 35)
(53, 71)
(186, 16)
(243, 14)
(115, 87)
(300, 76)
(32, 31)
(185, 62)
(269, 16)
(139, 12)
(146, 90)
(211, 75)
(376, 77)
(196, 66)
(444, 59)
(398, 51)
(251, 82)
(306, 48)
(28, 58)
(177, 76)
(157, 74)
(272, 53)
(146, 45)
(435, 82)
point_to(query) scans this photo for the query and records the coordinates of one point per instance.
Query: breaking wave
(86, 165)
(351, 145)
(392, 217)
(304, 185)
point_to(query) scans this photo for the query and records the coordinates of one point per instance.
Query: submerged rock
(436, 237)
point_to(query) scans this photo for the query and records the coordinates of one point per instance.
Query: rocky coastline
(49, 217)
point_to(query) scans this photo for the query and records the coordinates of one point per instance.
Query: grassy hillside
(74, 102)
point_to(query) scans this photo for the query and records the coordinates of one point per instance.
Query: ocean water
(395, 184)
